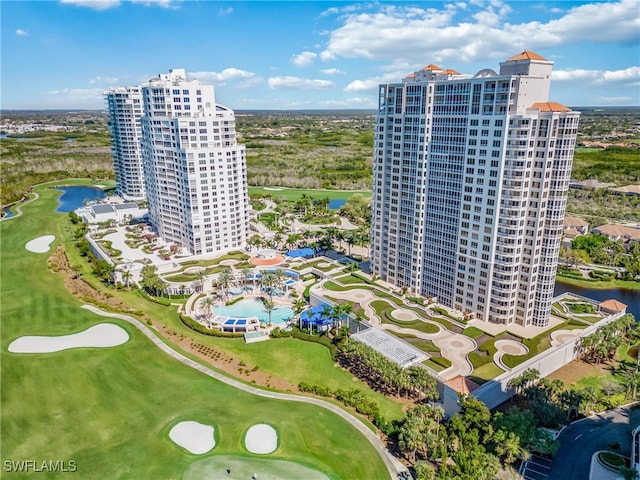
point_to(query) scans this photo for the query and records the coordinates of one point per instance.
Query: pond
(7, 213)
(336, 203)
(74, 197)
(629, 297)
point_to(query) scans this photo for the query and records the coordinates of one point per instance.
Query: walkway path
(18, 207)
(453, 346)
(395, 468)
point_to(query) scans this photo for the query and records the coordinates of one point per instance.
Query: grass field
(110, 410)
(292, 194)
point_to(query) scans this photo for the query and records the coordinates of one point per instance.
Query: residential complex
(195, 177)
(124, 105)
(470, 181)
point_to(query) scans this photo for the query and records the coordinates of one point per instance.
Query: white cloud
(438, 35)
(156, 3)
(225, 11)
(332, 71)
(613, 100)
(371, 84)
(231, 74)
(95, 4)
(303, 59)
(103, 80)
(627, 77)
(354, 102)
(106, 4)
(296, 83)
(85, 95)
(21, 33)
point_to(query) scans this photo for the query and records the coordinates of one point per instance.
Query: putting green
(244, 468)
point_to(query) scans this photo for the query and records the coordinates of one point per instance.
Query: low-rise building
(617, 232)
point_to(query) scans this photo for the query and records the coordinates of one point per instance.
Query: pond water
(629, 297)
(74, 197)
(336, 203)
(7, 213)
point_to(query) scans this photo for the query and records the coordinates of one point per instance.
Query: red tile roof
(431, 66)
(462, 385)
(526, 55)
(550, 107)
(613, 305)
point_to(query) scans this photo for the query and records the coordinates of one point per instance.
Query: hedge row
(161, 301)
(193, 325)
(352, 398)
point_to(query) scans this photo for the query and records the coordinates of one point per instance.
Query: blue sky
(308, 54)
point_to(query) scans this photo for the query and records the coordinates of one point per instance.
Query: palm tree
(269, 306)
(201, 278)
(208, 303)
(183, 290)
(269, 283)
(298, 307)
(126, 278)
(225, 279)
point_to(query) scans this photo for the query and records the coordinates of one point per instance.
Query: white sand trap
(261, 439)
(101, 335)
(40, 244)
(193, 436)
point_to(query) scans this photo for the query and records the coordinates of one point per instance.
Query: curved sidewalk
(394, 466)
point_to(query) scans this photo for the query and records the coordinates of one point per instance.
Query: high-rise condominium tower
(195, 171)
(470, 188)
(125, 109)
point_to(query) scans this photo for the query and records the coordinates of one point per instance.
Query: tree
(126, 278)
(298, 307)
(424, 471)
(201, 278)
(269, 307)
(225, 280)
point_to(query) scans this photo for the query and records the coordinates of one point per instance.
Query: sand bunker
(40, 244)
(261, 439)
(102, 335)
(195, 437)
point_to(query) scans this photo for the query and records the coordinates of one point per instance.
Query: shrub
(193, 325)
(159, 300)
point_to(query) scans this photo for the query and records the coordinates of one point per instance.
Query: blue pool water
(74, 197)
(336, 203)
(254, 308)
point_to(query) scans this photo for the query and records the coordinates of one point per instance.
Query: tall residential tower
(195, 171)
(125, 109)
(470, 187)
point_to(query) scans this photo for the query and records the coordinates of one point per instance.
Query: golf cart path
(394, 467)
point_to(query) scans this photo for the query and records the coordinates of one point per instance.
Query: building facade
(470, 182)
(124, 105)
(195, 171)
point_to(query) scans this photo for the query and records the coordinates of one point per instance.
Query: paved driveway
(579, 441)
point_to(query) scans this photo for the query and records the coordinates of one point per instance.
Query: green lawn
(111, 409)
(292, 194)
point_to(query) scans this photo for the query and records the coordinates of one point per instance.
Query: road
(395, 467)
(580, 440)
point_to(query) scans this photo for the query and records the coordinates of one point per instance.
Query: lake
(74, 197)
(629, 297)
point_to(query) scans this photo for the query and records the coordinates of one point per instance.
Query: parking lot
(536, 468)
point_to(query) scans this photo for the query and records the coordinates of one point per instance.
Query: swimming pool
(254, 308)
